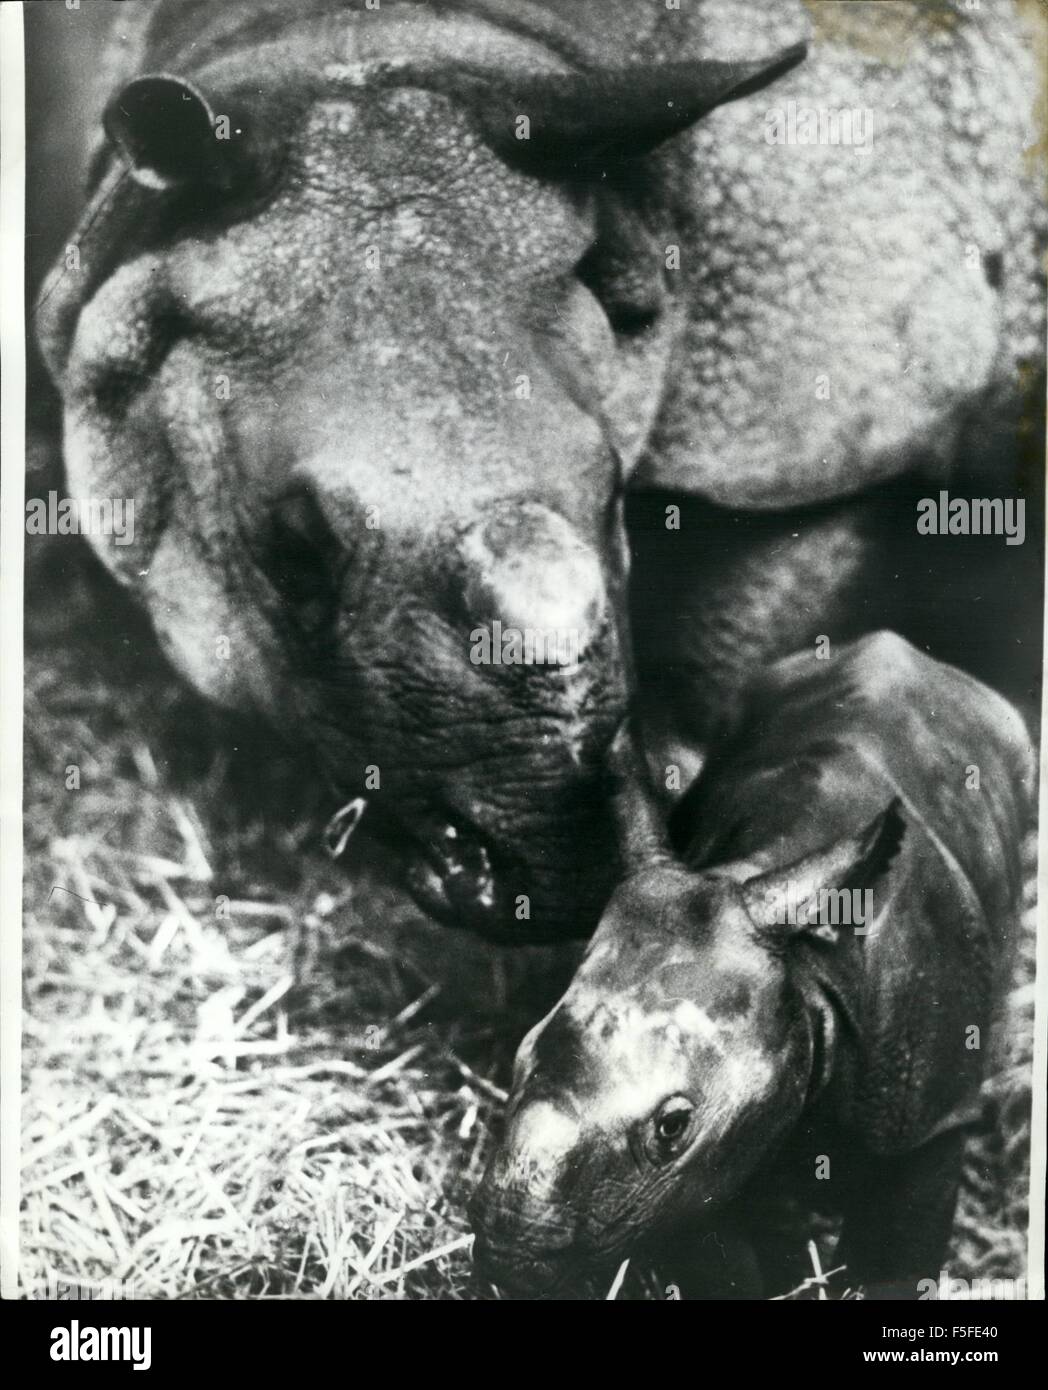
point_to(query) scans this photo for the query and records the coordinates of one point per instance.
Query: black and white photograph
(523, 598)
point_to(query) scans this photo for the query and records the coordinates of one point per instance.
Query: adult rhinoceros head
(372, 366)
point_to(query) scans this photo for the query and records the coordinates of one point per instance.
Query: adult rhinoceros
(378, 307)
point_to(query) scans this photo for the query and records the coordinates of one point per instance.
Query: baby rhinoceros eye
(671, 1125)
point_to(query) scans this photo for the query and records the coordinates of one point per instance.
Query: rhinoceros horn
(593, 117)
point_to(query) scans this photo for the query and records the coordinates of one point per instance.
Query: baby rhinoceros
(799, 1004)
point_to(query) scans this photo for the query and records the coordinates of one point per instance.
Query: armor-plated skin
(377, 375)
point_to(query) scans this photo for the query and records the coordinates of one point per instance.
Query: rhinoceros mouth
(469, 878)
(452, 874)
(449, 868)
(516, 1272)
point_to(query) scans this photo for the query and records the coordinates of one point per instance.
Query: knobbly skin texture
(716, 1047)
(378, 374)
(906, 269)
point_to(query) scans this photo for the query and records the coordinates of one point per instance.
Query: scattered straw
(250, 1073)
(617, 1282)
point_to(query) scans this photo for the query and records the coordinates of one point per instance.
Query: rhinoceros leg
(897, 1225)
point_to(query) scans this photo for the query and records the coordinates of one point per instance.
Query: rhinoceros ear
(578, 120)
(814, 895)
(173, 136)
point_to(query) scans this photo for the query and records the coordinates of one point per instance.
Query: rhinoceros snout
(411, 648)
(526, 568)
(516, 1274)
(522, 1256)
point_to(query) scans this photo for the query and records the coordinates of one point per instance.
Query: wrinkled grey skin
(776, 1041)
(341, 471)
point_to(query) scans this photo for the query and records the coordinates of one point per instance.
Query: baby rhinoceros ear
(830, 888)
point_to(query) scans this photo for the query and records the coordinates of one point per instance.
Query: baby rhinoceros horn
(640, 824)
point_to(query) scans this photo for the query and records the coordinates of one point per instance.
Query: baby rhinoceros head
(681, 1054)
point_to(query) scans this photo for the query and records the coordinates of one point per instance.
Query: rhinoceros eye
(671, 1128)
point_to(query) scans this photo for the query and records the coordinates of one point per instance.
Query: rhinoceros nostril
(528, 570)
(301, 554)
